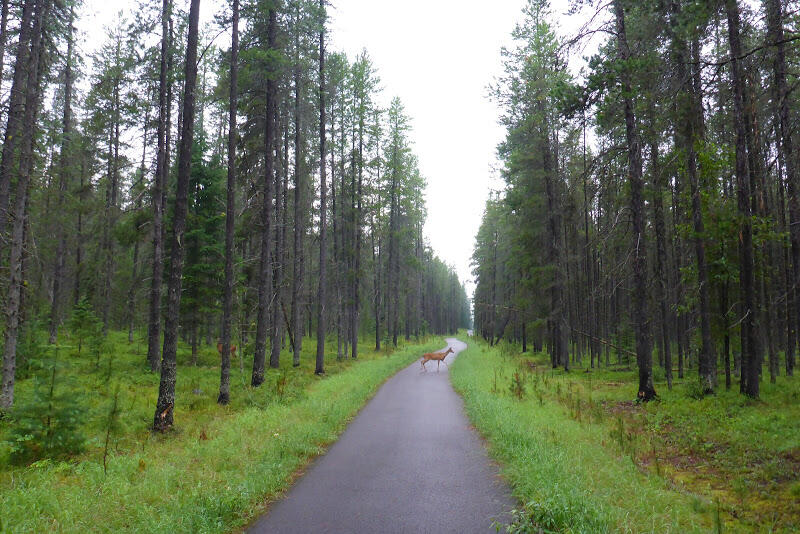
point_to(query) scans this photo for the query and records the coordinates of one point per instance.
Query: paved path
(410, 462)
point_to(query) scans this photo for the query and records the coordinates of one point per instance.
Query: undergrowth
(720, 463)
(562, 469)
(215, 471)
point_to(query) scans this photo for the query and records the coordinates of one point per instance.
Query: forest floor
(586, 457)
(216, 470)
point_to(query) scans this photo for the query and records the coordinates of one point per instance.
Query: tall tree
(636, 183)
(751, 360)
(163, 418)
(230, 212)
(323, 203)
(786, 146)
(265, 270)
(33, 66)
(64, 182)
(158, 191)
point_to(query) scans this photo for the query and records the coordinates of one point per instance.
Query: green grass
(731, 450)
(568, 472)
(216, 471)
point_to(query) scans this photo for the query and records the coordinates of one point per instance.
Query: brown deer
(233, 350)
(438, 356)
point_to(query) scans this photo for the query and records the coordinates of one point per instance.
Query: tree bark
(323, 205)
(786, 145)
(163, 417)
(16, 110)
(3, 34)
(65, 171)
(281, 186)
(640, 324)
(32, 66)
(158, 191)
(224, 396)
(750, 358)
(359, 217)
(299, 223)
(265, 270)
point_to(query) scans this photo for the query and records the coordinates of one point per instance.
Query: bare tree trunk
(265, 271)
(750, 358)
(323, 203)
(158, 193)
(3, 35)
(135, 273)
(775, 32)
(357, 270)
(299, 226)
(163, 417)
(281, 192)
(112, 196)
(641, 329)
(32, 66)
(16, 110)
(65, 171)
(662, 288)
(224, 396)
(688, 112)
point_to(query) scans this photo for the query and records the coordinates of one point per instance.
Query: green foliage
(557, 465)
(48, 424)
(86, 327)
(205, 220)
(216, 471)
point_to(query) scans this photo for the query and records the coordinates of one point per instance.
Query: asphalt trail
(409, 462)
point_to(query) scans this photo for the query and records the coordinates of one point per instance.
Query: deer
(438, 356)
(233, 350)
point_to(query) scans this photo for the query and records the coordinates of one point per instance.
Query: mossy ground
(219, 467)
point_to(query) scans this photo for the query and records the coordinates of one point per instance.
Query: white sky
(438, 56)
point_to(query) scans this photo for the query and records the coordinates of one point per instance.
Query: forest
(645, 245)
(187, 188)
(661, 185)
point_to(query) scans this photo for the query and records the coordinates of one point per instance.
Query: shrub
(86, 327)
(47, 425)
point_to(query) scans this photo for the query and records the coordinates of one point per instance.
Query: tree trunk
(265, 271)
(281, 192)
(224, 396)
(163, 417)
(65, 171)
(640, 324)
(359, 217)
(687, 114)
(16, 109)
(33, 68)
(750, 359)
(785, 145)
(299, 226)
(662, 288)
(3, 34)
(323, 206)
(158, 192)
(112, 196)
(558, 311)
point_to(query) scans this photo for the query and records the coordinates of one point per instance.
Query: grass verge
(567, 471)
(220, 467)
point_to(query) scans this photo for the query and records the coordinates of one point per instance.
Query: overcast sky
(438, 56)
